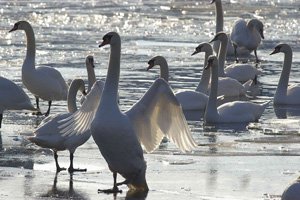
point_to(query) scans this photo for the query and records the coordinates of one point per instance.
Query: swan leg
(115, 189)
(255, 53)
(58, 168)
(37, 100)
(1, 117)
(71, 169)
(49, 106)
(235, 52)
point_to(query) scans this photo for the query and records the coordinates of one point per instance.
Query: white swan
(227, 86)
(220, 27)
(285, 93)
(239, 71)
(232, 112)
(189, 99)
(43, 82)
(12, 97)
(121, 135)
(247, 34)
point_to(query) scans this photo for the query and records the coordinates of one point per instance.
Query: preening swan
(285, 93)
(48, 135)
(121, 135)
(247, 34)
(12, 97)
(220, 27)
(227, 86)
(43, 82)
(232, 112)
(189, 99)
(239, 71)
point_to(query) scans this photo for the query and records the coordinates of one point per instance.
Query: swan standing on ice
(12, 97)
(232, 112)
(220, 27)
(43, 82)
(247, 35)
(48, 135)
(121, 135)
(189, 100)
(286, 94)
(239, 71)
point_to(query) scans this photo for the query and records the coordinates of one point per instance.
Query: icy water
(252, 161)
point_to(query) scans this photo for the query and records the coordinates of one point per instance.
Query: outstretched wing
(158, 114)
(79, 122)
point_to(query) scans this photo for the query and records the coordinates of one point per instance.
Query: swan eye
(151, 62)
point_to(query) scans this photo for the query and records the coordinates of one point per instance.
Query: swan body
(119, 135)
(12, 97)
(239, 71)
(247, 35)
(232, 112)
(189, 99)
(285, 93)
(43, 82)
(227, 86)
(220, 27)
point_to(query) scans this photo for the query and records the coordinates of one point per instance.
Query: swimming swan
(232, 112)
(12, 97)
(239, 71)
(189, 99)
(228, 87)
(220, 27)
(248, 35)
(285, 93)
(43, 82)
(121, 135)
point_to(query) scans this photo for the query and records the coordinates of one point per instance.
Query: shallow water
(66, 32)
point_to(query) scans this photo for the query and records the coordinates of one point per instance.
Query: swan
(227, 86)
(239, 71)
(285, 93)
(220, 27)
(119, 135)
(247, 34)
(43, 82)
(232, 112)
(189, 100)
(12, 97)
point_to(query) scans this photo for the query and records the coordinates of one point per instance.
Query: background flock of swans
(123, 136)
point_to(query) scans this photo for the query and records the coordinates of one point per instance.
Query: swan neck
(222, 56)
(285, 74)
(91, 77)
(71, 100)
(219, 16)
(30, 53)
(164, 70)
(211, 109)
(204, 81)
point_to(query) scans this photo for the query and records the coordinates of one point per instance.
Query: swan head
(202, 47)
(79, 84)
(157, 60)
(89, 61)
(258, 25)
(281, 48)
(222, 36)
(20, 25)
(211, 62)
(110, 38)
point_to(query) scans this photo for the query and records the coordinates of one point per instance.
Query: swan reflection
(285, 111)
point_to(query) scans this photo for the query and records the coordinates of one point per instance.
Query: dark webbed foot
(59, 169)
(114, 190)
(71, 170)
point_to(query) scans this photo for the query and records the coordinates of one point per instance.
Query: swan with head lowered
(286, 94)
(239, 71)
(48, 135)
(228, 87)
(232, 112)
(12, 97)
(43, 82)
(220, 27)
(189, 99)
(247, 35)
(121, 136)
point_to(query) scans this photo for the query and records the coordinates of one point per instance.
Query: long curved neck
(222, 56)
(204, 81)
(164, 69)
(211, 109)
(91, 77)
(110, 92)
(71, 100)
(285, 74)
(219, 23)
(29, 61)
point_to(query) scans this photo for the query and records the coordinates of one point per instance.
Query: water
(66, 32)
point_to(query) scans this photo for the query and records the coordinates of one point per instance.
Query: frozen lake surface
(244, 161)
